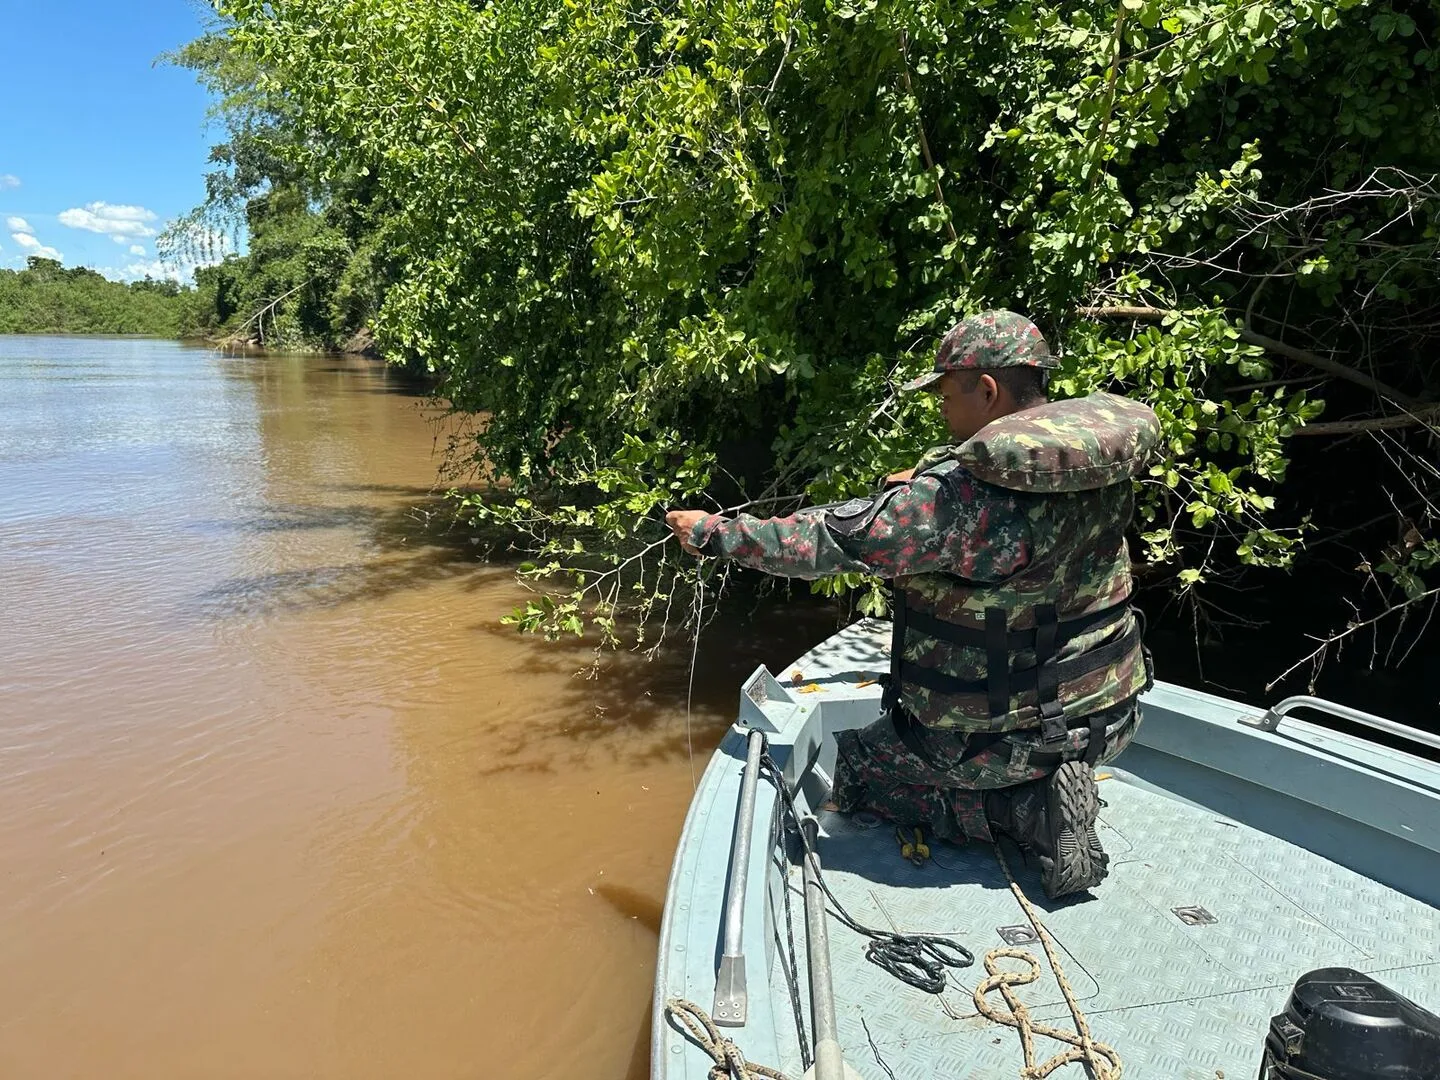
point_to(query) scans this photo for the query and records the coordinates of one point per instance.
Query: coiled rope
(730, 1063)
(1101, 1060)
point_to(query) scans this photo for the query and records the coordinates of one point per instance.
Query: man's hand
(682, 523)
(903, 477)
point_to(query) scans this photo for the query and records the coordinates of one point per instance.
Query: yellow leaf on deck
(866, 682)
(813, 688)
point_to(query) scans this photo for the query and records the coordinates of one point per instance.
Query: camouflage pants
(875, 770)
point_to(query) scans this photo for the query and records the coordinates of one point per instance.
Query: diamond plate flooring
(1179, 1002)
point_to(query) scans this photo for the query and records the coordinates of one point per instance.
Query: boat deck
(1175, 1000)
(1309, 847)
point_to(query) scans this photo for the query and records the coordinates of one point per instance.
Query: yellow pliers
(917, 851)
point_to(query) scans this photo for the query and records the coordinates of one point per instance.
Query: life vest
(1057, 640)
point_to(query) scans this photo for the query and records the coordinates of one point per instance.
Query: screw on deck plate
(1017, 935)
(1194, 915)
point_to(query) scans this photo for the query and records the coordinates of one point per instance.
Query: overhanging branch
(1375, 423)
(1269, 344)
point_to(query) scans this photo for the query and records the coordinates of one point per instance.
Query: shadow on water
(417, 543)
(636, 904)
(383, 382)
(635, 693)
(291, 519)
(383, 489)
(640, 1057)
(379, 377)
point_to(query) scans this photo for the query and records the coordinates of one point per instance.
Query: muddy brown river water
(278, 795)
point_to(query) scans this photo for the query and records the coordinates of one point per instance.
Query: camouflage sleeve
(968, 528)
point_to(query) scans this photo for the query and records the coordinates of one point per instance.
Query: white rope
(730, 1063)
(1100, 1060)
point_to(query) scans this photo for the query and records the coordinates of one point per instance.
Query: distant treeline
(46, 298)
(234, 301)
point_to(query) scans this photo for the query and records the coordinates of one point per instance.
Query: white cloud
(34, 247)
(116, 222)
(205, 248)
(154, 268)
(8, 180)
(18, 224)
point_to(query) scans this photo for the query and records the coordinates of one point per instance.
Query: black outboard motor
(1342, 1025)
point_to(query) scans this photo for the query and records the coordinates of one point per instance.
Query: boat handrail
(731, 999)
(1270, 721)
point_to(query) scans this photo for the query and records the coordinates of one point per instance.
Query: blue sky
(99, 146)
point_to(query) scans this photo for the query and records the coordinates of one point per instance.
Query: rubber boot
(1055, 819)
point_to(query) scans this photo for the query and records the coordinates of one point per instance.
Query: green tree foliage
(684, 252)
(311, 274)
(46, 298)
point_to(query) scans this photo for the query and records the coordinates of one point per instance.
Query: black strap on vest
(981, 741)
(1016, 640)
(915, 737)
(999, 643)
(1020, 681)
(1047, 674)
(1096, 745)
(997, 661)
(912, 734)
(899, 615)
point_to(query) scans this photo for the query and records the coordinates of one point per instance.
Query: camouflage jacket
(1046, 526)
(966, 527)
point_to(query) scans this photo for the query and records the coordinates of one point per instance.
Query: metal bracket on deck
(1194, 915)
(1017, 935)
(731, 1000)
(764, 702)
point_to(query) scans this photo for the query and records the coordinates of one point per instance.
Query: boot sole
(1073, 803)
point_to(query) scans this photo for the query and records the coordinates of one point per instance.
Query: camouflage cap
(992, 339)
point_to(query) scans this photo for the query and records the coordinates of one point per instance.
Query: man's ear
(987, 385)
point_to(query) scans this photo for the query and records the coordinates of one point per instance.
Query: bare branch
(1376, 423)
(1319, 653)
(1121, 311)
(268, 308)
(1324, 363)
(924, 142)
(1116, 43)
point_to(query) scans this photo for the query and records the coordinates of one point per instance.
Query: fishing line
(697, 609)
(702, 574)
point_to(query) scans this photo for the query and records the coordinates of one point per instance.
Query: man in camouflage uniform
(1016, 660)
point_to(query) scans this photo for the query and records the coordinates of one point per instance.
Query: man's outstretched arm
(973, 530)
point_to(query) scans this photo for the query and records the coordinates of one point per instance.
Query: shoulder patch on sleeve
(855, 516)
